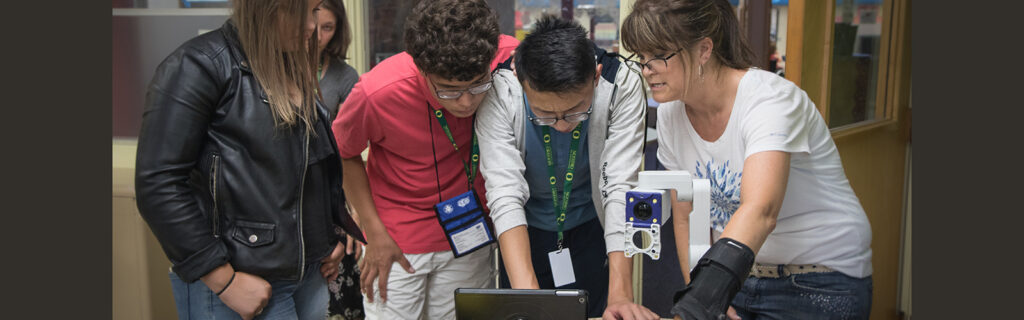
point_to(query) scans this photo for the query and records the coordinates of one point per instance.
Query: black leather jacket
(215, 179)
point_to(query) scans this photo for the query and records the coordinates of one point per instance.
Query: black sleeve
(180, 102)
(715, 281)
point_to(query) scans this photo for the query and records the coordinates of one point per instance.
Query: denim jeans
(288, 300)
(825, 295)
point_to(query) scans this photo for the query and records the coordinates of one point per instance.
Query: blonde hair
(286, 76)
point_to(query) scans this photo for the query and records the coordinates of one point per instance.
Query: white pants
(430, 292)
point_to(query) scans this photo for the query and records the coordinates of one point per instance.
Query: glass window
(854, 77)
(386, 28)
(599, 17)
(205, 3)
(144, 32)
(777, 35)
(166, 4)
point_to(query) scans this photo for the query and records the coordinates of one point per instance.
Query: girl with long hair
(238, 174)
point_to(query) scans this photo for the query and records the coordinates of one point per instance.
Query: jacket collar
(230, 33)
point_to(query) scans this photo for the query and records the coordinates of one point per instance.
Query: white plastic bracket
(696, 191)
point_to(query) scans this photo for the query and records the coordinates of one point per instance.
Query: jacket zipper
(302, 189)
(213, 191)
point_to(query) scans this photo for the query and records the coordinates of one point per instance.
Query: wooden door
(874, 147)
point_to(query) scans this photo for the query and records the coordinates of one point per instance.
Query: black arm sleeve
(715, 280)
(179, 105)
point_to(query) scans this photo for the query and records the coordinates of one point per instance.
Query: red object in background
(126, 116)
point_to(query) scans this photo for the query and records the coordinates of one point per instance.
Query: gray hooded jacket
(616, 138)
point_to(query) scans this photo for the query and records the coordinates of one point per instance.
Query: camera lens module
(643, 210)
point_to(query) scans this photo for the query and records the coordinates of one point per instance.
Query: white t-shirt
(821, 220)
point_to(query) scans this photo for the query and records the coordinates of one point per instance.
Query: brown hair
(673, 25)
(453, 39)
(288, 78)
(338, 46)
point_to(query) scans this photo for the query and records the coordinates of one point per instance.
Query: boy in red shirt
(415, 111)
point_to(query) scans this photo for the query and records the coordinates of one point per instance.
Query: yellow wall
(141, 289)
(358, 51)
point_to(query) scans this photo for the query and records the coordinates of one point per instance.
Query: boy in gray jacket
(560, 144)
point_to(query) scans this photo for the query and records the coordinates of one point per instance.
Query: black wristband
(227, 285)
(732, 255)
(715, 280)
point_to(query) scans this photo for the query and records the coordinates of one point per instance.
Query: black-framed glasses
(455, 94)
(655, 64)
(572, 117)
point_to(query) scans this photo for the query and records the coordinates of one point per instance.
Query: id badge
(464, 223)
(561, 267)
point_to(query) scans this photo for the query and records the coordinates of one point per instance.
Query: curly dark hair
(452, 39)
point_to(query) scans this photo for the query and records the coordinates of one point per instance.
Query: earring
(700, 72)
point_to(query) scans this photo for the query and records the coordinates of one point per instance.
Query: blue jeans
(825, 295)
(288, 300)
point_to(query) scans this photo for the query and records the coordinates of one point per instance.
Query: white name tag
(470, 238)
(561, 267)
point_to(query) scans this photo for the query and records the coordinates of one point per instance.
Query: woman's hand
(731, 313)
(246, 294)
(354, 247)
(329, 266)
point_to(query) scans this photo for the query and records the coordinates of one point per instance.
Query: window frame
(811, 32)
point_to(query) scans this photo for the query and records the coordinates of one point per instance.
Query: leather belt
(778, 270)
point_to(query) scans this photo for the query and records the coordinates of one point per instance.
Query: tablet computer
(520, 304)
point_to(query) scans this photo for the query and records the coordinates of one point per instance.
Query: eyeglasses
(455, 94)
(573, 117)
(655, 64)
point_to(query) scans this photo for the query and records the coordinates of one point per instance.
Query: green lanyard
(474, 155)
(568, 175)
(560, 209)
(573, 147)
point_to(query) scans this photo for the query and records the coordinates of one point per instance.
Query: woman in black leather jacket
(237, 171)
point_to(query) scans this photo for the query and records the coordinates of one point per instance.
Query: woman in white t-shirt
(778, 187)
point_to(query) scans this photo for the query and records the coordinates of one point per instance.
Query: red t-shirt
(387, 110)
